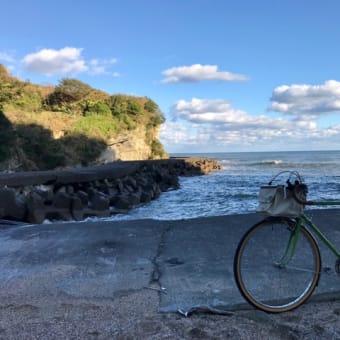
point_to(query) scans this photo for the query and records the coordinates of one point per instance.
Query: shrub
(40, 147)
(7, 137)
(156, 120)
(126, 122)
(29, 101)
(67, 94)
(4, 73)
(150, 106)
(157, 149)
(82, 149)
(72, 89)
(99, 126)
(133, 108)
(99, 108)
(118, 105)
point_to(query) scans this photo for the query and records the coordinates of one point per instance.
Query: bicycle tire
(265, 284)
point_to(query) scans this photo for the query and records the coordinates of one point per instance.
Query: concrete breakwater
(101, 191)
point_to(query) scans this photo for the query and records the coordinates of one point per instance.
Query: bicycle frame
(284, 244)
(293, 239)
(320, 235)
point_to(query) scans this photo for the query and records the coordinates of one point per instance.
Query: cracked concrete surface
(188, 261)
(77, 259)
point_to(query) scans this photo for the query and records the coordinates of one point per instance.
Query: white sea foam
(234, 189)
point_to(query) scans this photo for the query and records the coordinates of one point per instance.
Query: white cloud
(6, 57)
(212, 139)
(52, 62)
(198, 72)
(212, 125)
(100, 66)
(68, 60)
(208, 111)
(176, 132)
(220, 112)
(314, 100)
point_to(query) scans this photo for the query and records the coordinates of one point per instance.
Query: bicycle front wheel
(275, 269)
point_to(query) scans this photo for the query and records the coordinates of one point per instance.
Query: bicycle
(277, 263)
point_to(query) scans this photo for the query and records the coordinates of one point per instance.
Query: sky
(229, 76)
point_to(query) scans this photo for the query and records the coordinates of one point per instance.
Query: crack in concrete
(156, 273)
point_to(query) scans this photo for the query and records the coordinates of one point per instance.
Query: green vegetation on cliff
(69, 124)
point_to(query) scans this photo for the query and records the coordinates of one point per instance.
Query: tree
(157, 149)
(150, 106)
(133, 107)
(74, 89)
(40, 147)
(69, 91)
(118, 105)
(4, 75)
(99, 108)
(7, 137)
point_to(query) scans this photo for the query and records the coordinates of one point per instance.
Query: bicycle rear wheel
(270, 276)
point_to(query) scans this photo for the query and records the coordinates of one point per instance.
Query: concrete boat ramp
(188, 261)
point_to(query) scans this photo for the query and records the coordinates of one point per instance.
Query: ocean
(234, 189)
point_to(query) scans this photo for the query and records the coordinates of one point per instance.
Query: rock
(169, 181)
(130, 182)
(36, 208)
(123, 202)
(146, 196)
(62, 200)
(97, 191)
(99, 201)
(77, 209)
(12, 205)
(156, 190)
(46, 192)
(120, 185)
(61, 207)
(83, 196)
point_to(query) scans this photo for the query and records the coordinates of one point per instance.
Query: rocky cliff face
(72, 124)
(132, 145)
(44, 143)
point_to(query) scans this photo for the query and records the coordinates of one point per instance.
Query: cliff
(72, 151)
(72, 124)
(131, 145)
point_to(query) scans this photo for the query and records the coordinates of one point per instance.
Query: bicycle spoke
(301, 269)
(261, 277)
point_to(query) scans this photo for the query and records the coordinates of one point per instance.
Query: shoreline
(74, 194)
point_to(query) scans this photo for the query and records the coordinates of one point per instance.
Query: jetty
(103, 190)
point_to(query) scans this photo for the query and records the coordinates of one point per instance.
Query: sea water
(234, 189)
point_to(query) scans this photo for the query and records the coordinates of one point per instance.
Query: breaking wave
(234, 189)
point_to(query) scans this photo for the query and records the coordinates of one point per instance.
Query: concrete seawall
(74, 194)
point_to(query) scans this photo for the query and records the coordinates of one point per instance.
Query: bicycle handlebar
(300, 191)
(291, 173)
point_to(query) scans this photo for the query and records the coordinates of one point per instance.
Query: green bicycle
(277, 262)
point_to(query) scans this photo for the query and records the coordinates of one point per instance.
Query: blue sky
(228, 75)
